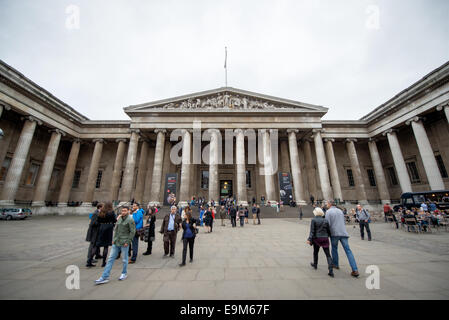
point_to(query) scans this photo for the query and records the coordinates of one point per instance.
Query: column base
(62, 204)
(385, 201)
(243, 203)
(154, 203)
(86, 204)
(7, 203)
(123, 204)
(38, 204)
(301, 203)
(182, 204)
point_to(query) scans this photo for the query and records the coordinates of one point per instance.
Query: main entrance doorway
(225, 188)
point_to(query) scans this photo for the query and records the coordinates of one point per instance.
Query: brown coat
(164, 226)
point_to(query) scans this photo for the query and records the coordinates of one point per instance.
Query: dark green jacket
(124, 231)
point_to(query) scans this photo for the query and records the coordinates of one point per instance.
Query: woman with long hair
(188, 236)
(106, 219)
(150, 223)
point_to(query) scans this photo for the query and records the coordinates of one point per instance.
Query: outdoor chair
(412, 224)
(391, 221)
(444, 223)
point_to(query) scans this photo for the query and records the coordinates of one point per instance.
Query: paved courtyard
(267, 261)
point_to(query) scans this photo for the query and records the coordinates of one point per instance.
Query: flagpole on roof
(226, 67)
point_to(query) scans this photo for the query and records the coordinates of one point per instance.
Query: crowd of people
(425, 216)
(133, 224)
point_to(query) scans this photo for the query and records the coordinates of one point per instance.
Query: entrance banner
(285, 187)
(171, 180)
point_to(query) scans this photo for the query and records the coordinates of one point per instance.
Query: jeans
(363, 225)
(135, 247)
(111, 260)
(345, 243)
(190, 242)
(242, 222)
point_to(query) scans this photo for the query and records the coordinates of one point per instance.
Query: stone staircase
(265, 212)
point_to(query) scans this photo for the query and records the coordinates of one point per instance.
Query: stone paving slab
(267, 261)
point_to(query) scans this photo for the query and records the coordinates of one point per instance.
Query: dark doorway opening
(225, 189)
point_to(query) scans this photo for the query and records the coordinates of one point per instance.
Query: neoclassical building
(218, 143)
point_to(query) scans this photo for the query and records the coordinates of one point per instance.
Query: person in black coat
(149, 227)
(233, 215)
(319, 237)
(188, 236)
(92, 234)
(106, 219)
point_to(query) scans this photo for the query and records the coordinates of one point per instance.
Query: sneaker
(101, 280)
(123, 276)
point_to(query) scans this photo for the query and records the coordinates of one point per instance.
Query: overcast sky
(349, 55)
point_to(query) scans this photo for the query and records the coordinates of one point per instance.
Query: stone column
(69, 173)
(156, 179)
(296, 168)
(47, 169)
(240, 167)
(446, 110)
(427, 155)
(322, 165)
(117, 171)
(336, 187)
(310, 170)
(398, 159)
(128, 175)
(357, 172)
(213, 166)
(14, 175)
(382, 187)
(268, 168)
(184, 195)
(142, 172)
(93, 172)
(285, 161)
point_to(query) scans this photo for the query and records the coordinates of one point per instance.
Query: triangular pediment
(225, 99)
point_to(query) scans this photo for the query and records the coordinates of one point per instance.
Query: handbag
(140, 233)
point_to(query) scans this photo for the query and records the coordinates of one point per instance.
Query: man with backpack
(364, 218)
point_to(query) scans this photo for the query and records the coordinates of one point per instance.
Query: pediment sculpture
(223, 101)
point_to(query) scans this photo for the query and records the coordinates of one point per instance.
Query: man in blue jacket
(138, 214)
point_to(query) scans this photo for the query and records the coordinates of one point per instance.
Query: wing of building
(219, 143)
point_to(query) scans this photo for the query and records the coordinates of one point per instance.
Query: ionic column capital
(373, 139)
(32, 118)
(121, 140)
(292, 130)
(62, 133)
(442, 106)
(238, 131)
(414, 119)
(350, 140)
(76, 140)
(5, 106)
(134, 131)
(99, 140)
(329, 140)
(389, 131)
(160, 130)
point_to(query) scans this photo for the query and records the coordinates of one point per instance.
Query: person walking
(202, 211)
(138, 219)
(208, 220)
(246, 214)
(188, 237)
(319, 238)
(222, 212)
(262, 200)
(254, 212)
(106, 219)
(300, 213)
(312, 200)
(258, 214)
(169, 228)
(124, 232)
(364, 217)
(337, 226)
(242, 217)
(92, 235)
(233, 215)
(149, 235)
